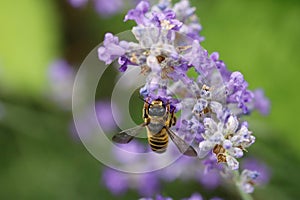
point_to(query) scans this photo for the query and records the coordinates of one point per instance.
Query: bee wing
(183, 147)
(127, 135)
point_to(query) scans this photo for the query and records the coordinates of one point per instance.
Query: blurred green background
(39, 158)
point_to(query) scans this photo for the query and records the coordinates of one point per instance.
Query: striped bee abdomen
(159, 141)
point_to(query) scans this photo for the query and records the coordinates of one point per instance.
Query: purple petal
(138, 14)
(111, 49)
(105, 115)
(261, 103)
(115, 181)
(256, 165)
(108, 8)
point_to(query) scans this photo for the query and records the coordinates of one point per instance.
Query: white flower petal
(217, 108)
(204, 148)
(217, 138)
(236, 140)
(232, 124)
(232, 163)
(244, 132)
(206, 145)
(210, 125)
(237, 152)
(247, 188)
(246, 181)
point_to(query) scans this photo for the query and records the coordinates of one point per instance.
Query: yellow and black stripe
(159, 141)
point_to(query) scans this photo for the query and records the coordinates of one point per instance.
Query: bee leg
(167, 124)
(168, 108)
(147, 120)
(145, 114)
(145, 110)
(171, 121)
(169, 117)
(174, 120)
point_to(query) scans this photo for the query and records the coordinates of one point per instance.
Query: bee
(158, 119)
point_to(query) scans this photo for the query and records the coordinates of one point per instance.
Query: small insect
(158, 119)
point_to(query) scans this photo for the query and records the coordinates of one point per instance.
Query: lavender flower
(238, 93)
(211, 104)
(186, 14)
(131, 147)
(148, 184)
(261, 103)
(210, 180)
(239, 98)
(225, 73)
(247, 180)
(226, 140)
(104, 8)
(181, 17)
(263, 170)
(162, 18)
(138, 14)
(105, 115)
(117, 182)
(61, 78)
(111, 49)
(107, 8)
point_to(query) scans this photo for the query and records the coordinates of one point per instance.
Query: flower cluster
(178, 70)
(61, 78)
(150, 183)
(227, 140)
(205, 173)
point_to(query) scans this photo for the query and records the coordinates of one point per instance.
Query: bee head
(157, 108)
